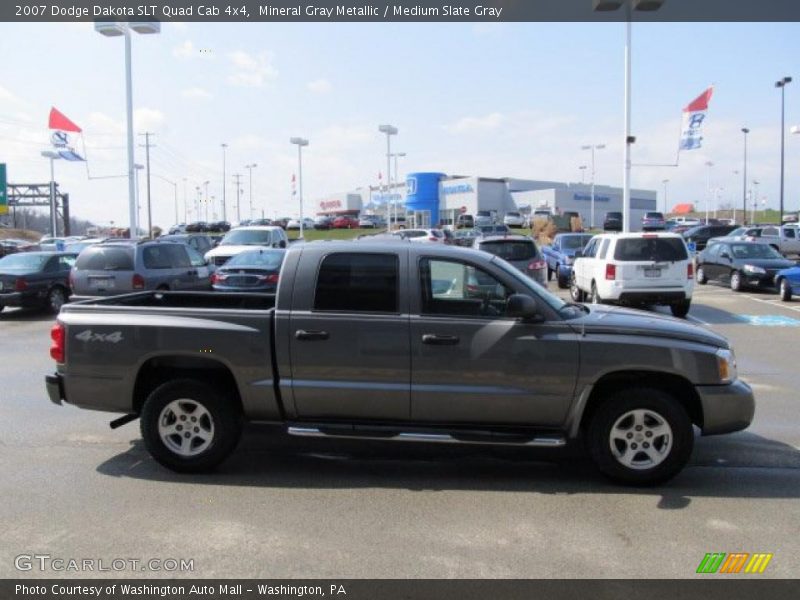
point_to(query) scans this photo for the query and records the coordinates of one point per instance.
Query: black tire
(575, 292)
(736, 281)
(56, 298)
(785, 290)
(676, 447)
(594, 297)
(701, 276)
(563, 282)
(549, 274)
(225, 417)
(680, 309)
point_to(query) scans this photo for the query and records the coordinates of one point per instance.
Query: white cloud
(148, 119)
(188, 51)
(251, 70)
(319, 86)
(7, 96)
(477, 124)
(196, 93)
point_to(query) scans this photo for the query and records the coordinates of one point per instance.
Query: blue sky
(486, 99)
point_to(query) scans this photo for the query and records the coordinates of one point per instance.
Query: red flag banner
(59, 121)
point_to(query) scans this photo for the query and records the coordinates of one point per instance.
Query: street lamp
(389, 130)
(593, 148)
(645, 6)
(582, 169)
(782, 85)
(224, 183)
(137, 167)
(666, 206)
(397, 155)
(300, 142)
(755, 201)
(250, 169)
(205, 186)
(124, 29)
(745, 131)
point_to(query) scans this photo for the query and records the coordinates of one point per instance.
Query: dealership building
(428, 199)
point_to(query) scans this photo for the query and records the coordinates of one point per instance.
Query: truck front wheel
(640, 436)
(189, 427)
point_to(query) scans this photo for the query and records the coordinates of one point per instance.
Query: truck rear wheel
(190, 427)
(640, 436)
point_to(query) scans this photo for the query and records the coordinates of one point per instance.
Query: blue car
(788, 282)
(561, 253)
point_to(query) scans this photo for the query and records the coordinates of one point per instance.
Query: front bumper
(726, 408)
(55, 388)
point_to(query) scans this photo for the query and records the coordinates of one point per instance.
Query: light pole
(300, 142)
(205, 186)
(389, 130)
(137, 167)
(397, 155)
(582, 169)
(53, 156)
(782, 85)
(745, 131)
(124, 29)
(755, 201)
(594, 147)
(640, 5)
(185, 207)
(250, 169)
(224, 183)
(666, 206)
(709, 164)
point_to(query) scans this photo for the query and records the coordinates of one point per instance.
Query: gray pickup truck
(406, 342)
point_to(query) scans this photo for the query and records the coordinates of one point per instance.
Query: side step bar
(545, 441)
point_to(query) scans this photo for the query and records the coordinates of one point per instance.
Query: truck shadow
(26, 315)
(743, 465)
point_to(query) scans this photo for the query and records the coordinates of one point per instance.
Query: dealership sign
(461, 188)
(330, 205)
(588, 197)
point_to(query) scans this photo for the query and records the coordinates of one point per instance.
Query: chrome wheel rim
(56, 299)
(573, 289)
(595, 295)
(186, 427)
(641, 439)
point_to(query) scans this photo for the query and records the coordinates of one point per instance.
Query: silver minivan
(122, 267)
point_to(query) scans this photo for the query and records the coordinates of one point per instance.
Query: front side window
(459, 289)
(355, 282)
(604, 249)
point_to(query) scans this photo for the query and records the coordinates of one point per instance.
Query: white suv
(635, 268)
(242, 239)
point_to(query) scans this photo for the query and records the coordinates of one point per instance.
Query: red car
(345, 222)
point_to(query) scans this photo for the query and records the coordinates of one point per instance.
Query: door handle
(310, 336)
(440, 340)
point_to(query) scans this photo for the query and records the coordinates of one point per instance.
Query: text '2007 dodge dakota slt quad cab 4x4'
(400, 342)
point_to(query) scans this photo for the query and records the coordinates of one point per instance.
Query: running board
(542, 441)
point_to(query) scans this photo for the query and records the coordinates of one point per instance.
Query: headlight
(754, 270)
(726, 366)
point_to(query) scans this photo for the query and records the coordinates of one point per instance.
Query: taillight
(611, 272)
(536, 265)
(272, 278)
(214, 278)
(57, 347)
(21, 285)
(690, 271)
(137, 282)
(433, 239)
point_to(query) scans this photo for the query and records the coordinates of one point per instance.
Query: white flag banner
(693, 117)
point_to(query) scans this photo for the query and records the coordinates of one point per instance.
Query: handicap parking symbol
(770, 320)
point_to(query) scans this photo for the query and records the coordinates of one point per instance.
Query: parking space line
(772, 303)
(696, 320)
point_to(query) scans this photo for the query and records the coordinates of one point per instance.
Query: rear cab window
(358, 282)
(650, 249)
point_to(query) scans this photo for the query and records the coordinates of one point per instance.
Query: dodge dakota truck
(403, 342)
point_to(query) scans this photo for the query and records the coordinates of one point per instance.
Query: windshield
(653, 215)
(23, 262)
(264, 259)
(754, 251)
(530, 285)
(510, 250)
(247, 237)
(738, 232)
(574, 242)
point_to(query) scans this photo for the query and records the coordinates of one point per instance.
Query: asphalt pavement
(72, 488)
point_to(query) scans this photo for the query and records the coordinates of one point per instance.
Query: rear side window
(165, 256)
(510, 250)
(358, 283)
(604, 249)
(650, 249)
(108, 258)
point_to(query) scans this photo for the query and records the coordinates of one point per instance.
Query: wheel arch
(680, 388)
(161, 369)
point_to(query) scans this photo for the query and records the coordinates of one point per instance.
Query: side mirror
(525, 308)
(725, 255)
(578, 254)
(282, 244)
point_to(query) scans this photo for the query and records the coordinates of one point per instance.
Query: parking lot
(73, 488)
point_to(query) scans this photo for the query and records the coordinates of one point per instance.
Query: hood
(766, 263)
(627, 321)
